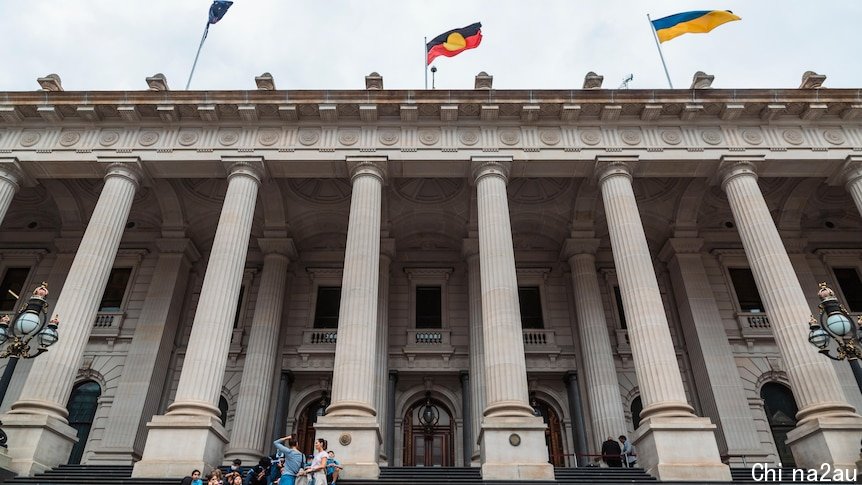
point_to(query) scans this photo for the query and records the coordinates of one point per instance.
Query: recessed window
(531, 307)
(851, 286)
(238, 306)
(429, 307)
(112, 299)
(13, 281)
(746, 290)
(618, 300)
(327, 307)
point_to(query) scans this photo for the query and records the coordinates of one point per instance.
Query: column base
(114, 456)
(248, 457)
(513, 448)
(680, 448)
(826, 440)
(355, 440)
(178, 444)
(5, 466)
(37, 442)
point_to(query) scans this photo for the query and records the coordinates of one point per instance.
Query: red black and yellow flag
(454, 42)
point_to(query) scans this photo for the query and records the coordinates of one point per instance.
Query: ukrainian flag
(699, 22)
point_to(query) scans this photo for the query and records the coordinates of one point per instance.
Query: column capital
(178, 245)
(282, 246)
(368, 166)
(732, 166)
(11, 171)
(464, 376)
(574, 247)
(387, 248)
(609, 166)
(481, 166)
(570, 376)
(127, 167)
(470, 248)
(680, 245)
(252, 167)
(851, 172)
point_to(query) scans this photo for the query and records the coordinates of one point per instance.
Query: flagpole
(660, 54)
(425, 60)
(203, 38)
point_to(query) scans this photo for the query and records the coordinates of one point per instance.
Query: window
(238, 306)
(746, 290)
(429, 307)
(531, 307)
(618, 299)
(851, 286)
(13, 281)
(328, 305)
(112, 299)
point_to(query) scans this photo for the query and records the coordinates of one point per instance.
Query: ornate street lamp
(429, 415)
(836, 325)
(30, 323)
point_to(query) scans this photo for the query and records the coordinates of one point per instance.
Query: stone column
(467, 418)
(279, 425)
(600, 373)
(248, 441)
(673, 443)
(190, 435)
(390, 423)
(352, 414)
(10, 182)
(504, 456)
(853, 180)
(381, 378)
(477, 351)
(722, 395)
(828, 429)
(39, 436)
(573, 393)
(143, 379)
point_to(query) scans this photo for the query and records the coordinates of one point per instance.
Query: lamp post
(30, 323)
(835, 324)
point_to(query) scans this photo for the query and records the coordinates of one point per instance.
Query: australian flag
(217, 10)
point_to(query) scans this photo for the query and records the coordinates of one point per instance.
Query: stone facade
(624, 210)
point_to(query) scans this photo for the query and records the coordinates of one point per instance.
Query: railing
(428, 337)
(753, 325)
(108, 323)
(534, 337)
(320, 337)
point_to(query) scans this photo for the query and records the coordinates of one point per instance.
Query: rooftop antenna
(626, 81)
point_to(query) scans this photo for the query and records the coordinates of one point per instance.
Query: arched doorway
(429, 432)
(636, 408)
(305, 431)
(82, 409)
(780, 408)
(553, 432)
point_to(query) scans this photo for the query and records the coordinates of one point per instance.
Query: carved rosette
(228, 138)
(309, 136)
(793, 136)
(834, 136)
(671, 137)
(30, 138)
(711, 137)
(630, 137)
(591, 137)
(348, 137)
(268, 136)
(109, 138)
(752, 136)
(429, 136)
(69, 138)
(188, 138)
(550, 136)
(469, 136)
(148, 138)
(510, 136)
(389, 136)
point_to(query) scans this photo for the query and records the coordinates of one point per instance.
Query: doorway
(780, 408)
(305, 431)
(429, 434)
(553, 432)
(82, 409)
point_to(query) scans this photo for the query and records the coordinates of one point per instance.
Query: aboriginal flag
(454, 42)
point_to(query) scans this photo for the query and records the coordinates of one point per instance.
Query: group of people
(288, 466)
(616, 455)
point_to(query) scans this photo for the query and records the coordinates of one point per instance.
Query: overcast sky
(333, 44)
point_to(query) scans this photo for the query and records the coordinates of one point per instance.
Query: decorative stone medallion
(711, 137)
(389, 136)
(752, 136)
(345, 439)
(671, 137)
(69, 138)
(591, 137)
(30, 138)
(228, 138)
(792, 136)
(429, 136)
(630, 137)
(550, 136)
(188, 137)
(469, 136)
(510, 136)
(148, 138)
(108, 138)
(309, 136)
(514, 439)
(834, 136)
(348, 137)
(268, 136)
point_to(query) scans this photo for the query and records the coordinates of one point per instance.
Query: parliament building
(491, 278)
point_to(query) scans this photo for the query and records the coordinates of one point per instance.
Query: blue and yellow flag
(699, 22)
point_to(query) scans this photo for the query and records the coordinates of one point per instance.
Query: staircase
(90, 475)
